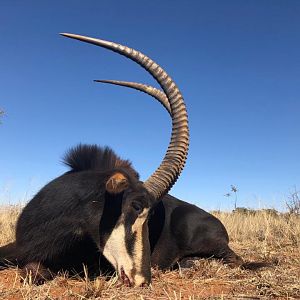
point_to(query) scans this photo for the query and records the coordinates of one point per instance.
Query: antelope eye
(137, 207)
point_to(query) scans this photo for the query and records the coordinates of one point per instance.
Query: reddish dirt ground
(209, 279)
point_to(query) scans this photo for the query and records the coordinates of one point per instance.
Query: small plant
(233, 190)
(293, 202)
(1, 114)
(244, 211)
(270, 212)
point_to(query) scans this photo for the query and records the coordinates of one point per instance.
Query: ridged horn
(147, 89)
(160, 182)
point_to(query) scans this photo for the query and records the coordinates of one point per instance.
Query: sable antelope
(100, 205)
(177, 229)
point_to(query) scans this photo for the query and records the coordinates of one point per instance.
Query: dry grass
(260, 237)
(8, 217)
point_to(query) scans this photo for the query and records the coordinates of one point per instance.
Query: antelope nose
(141, 281)
(125, 279)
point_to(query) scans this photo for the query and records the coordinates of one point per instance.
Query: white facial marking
(139, 227)
(115, 249)
(116, 252)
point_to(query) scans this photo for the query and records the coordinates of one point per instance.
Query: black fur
(178, 230)
(8, 255)
(92, 157)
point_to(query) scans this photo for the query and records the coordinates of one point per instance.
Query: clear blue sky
(236, 62)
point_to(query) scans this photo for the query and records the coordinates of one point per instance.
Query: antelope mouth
(125, 279)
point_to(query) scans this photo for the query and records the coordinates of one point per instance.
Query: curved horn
(170, 168)
(147, 89)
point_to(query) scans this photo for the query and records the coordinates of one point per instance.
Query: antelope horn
(147, 89)
(160, 182)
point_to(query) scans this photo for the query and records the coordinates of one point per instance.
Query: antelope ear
(117, 183)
